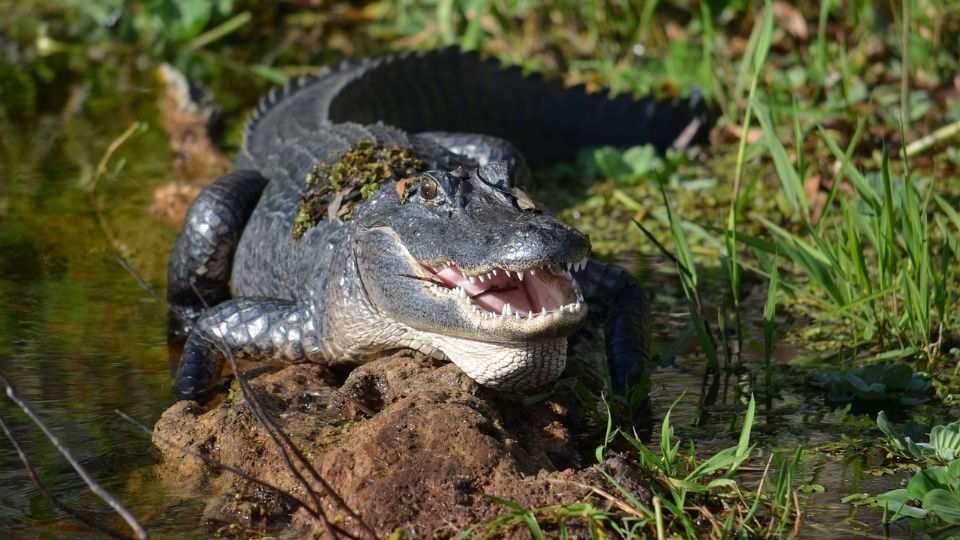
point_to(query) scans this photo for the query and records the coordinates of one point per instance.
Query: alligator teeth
(530, 315)
(516, 315)
(576, 307)
(494, 272)
(481, 277)
(507, 310)
(508, 273)
(520, 275)
(472, 279)
(533, 271)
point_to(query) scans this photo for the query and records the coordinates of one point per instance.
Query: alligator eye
(428, 187)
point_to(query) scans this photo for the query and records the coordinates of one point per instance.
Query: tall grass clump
(885, 264)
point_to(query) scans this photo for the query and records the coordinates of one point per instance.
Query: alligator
(448, 256)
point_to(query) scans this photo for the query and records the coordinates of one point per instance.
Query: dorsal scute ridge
(296, 84)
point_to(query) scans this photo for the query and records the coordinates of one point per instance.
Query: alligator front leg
(617, 308)
(202, 256)
(248, 328)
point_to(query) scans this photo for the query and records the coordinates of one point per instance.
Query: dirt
(409, 443)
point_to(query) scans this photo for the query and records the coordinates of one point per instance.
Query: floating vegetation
(933, 493)
(892, 382)
(334, 189)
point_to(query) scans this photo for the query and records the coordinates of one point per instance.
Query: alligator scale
(444, 254)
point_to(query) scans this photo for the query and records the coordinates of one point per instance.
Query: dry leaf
(524, 201)
(791, 20)
(333, 209)
(736, 130)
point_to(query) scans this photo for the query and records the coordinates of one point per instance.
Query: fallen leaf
(735, 131)
(791, 20)
(524, 201)
(171, 200)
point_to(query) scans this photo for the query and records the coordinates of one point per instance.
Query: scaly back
(447, 90)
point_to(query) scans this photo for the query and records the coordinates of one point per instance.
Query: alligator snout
(537, 240)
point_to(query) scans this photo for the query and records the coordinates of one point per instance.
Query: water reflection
(78, 337)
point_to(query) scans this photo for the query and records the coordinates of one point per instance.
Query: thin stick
(941, 135)
(797, 520)
(273, 432)
(269, 427)
(98, 174)
(90, 522)
(245, 390)
(356, 403)
(98, 490)
(276, 435)
(220, 465)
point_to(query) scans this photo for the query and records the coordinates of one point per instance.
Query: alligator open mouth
(531, 293)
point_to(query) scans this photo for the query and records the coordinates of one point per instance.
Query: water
(80, 338)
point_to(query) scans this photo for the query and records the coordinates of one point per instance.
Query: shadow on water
(80, 338)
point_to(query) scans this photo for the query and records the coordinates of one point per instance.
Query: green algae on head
(334, 189)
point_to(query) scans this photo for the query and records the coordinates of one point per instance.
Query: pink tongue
(513, 293)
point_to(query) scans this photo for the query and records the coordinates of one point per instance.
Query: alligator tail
(447, 90)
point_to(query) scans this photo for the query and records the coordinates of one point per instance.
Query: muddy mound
(408, 443)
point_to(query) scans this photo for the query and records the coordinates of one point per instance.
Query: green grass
(690, 496)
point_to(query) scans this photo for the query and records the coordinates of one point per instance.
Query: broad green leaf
(895, 502)
(944, 504)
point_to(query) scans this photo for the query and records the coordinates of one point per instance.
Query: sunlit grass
(690, 496)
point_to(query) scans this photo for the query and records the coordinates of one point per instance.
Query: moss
(334, 189)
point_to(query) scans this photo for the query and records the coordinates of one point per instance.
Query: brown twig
(356, 403)
(276, 434)
(92, 484)
(436, 282)
(797, 520)
(90, 522)
(220, 465)
(98, 175)
(491, 290)
(273, 432)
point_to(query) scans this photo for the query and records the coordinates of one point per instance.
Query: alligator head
(468, 261)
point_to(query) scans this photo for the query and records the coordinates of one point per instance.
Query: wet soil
(435, 445)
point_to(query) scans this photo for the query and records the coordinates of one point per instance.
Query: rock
(435, 444)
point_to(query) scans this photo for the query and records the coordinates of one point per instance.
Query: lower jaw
(510, 367)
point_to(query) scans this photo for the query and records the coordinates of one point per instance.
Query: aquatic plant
(891, 382)
(933, 493)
